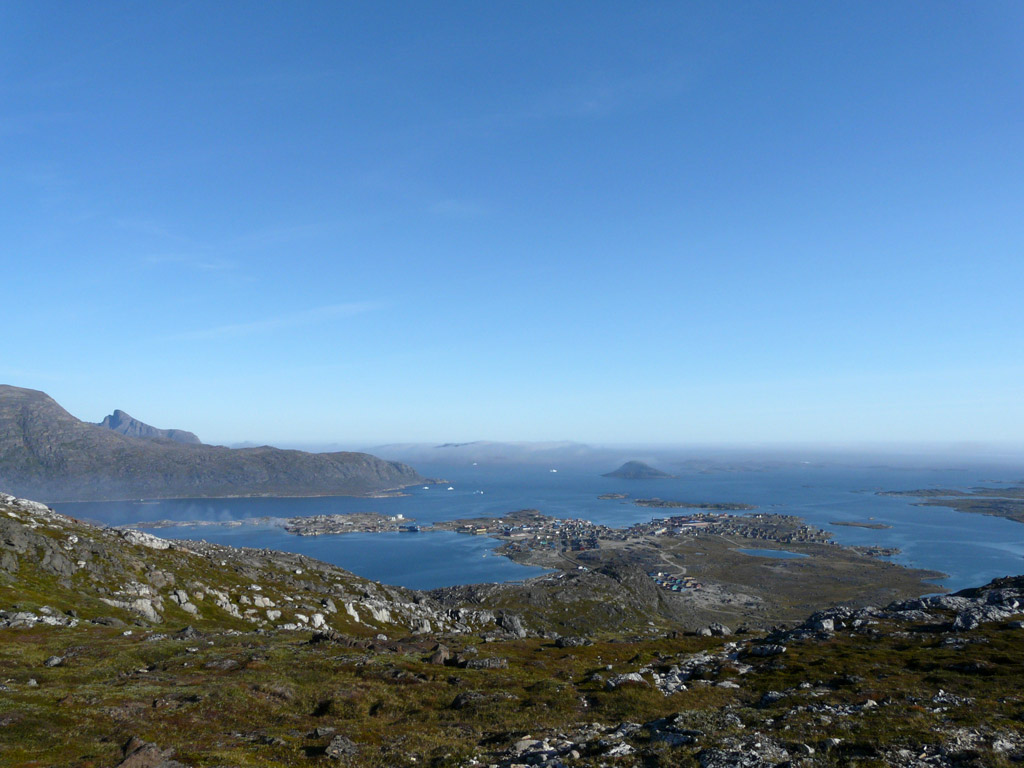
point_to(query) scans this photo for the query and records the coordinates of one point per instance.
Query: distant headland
(47, 453)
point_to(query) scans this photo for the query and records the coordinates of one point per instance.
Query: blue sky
(610, 222)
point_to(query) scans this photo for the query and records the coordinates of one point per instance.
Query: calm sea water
(971, 549)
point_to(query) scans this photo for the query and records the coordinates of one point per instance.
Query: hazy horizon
(540, 452)
(657, 223)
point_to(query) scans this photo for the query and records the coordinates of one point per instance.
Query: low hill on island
(47, 453)
(123, 424)
(638, 470)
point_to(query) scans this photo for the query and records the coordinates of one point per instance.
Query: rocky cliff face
(123, 424)
(47, 453)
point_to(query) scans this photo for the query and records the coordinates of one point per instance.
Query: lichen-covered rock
(140, 754)
(571, 641)
(633, 678)
(769, 649)
(492, 663)
(341, 747)
(512, 624)
(145, 539)
(143, 606)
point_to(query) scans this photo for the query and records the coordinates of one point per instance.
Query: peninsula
(996, 502)
(47, 453)
(688, 570)
(311, 525)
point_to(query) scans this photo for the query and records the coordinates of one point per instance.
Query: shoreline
(384, 493)
(690, 564)
(691, 578)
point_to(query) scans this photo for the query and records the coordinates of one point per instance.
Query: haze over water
(972, 549)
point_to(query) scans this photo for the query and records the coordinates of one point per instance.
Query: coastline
(384, 493)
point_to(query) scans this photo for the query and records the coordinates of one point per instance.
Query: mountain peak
(124, 424)
(48, 453)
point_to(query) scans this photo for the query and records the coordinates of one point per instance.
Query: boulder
(769, 649)
(512, 624)
(468, 699)
(491, 663)
(770, 697)
(145, 539)
(341, 747)
(571, 641)
(615, 681)
(441, 654)
(141, 754)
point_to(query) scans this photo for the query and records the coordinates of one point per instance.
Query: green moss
(397, 706)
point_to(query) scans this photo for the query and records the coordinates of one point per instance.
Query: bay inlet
(971, 549)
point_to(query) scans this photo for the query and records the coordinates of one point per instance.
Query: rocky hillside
(123, 424)
(47, 453)
(121, 649)
(119, 577)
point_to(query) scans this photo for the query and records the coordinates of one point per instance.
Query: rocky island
(997, 502)
(657, 503)
(638, 470)
(720, 506)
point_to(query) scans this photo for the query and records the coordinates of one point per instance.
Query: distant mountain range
(47, 453)
(491, 452)
(122, 423)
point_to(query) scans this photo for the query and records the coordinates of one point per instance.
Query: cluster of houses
(673, 583)
(533, 531)
(763, 527)
(558, 535)
(360, 522)
(770, 527)
(476, 530)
